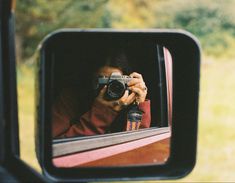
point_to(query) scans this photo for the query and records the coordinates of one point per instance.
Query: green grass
(216, 123)
(216, 140)
(25, 89)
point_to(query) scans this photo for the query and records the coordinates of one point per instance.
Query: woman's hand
(137, 86)
(116, 105)
(139, 92)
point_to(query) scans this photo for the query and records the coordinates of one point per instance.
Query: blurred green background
(211, 21)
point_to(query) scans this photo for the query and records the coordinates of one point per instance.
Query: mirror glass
(111, 102)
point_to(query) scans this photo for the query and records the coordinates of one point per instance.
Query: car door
(10, 162)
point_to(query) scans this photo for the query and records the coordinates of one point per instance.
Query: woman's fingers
(137, 84)
(141, 94)
(125, 95)
(136, 75)
(138, 91)
(134, 81)
(103, 90)
(130, 99)
(127, 99)
(137, 81)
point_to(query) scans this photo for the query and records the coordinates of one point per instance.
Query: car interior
(72, 68)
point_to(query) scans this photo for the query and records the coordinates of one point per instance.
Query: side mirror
(138, 124)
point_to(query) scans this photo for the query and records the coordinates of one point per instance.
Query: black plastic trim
(12, 168)
(185, 51)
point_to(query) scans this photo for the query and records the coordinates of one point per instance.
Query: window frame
(68, 146)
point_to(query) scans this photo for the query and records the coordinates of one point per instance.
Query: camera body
(116, 85)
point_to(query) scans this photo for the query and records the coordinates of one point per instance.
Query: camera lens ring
(115, 89)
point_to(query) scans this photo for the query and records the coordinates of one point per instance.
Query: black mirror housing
(185, 51)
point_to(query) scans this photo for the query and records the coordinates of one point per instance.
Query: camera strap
(134, 117)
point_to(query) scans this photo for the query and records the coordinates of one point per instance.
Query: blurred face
(107, 71)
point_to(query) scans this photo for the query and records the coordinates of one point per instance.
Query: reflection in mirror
(112, 103)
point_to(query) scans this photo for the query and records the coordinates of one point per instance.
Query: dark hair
(114, 58)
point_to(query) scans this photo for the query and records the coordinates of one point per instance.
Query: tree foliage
(212, 21)
(131, 13)
(37, 18)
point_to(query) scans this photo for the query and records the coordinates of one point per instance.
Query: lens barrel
(115, 89)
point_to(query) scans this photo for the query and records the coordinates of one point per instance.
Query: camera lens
(115, 89)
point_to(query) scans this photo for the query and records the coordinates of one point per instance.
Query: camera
(116, 85)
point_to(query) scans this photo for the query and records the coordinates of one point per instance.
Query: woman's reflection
(118, 102)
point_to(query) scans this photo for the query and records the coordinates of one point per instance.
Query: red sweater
(95, 121)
